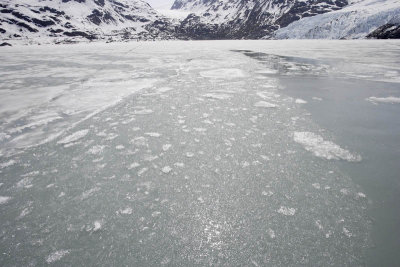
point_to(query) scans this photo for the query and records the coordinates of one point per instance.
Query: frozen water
(131, 154)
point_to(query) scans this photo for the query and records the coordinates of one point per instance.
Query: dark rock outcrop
(387, 31)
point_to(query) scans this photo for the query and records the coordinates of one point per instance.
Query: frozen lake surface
(255, 153)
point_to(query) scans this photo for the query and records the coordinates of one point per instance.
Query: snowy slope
(355, 21)
(69, 20)
(216, 19)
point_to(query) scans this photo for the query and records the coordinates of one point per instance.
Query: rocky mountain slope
(227, 19)
(33, 21)
(359, 20)
(63, 21)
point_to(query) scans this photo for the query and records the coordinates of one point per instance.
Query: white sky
(164, 6)
(160, 4)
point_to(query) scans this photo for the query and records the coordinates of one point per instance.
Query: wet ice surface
(197, 164)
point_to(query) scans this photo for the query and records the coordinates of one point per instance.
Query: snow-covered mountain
(225, 19)
(61, 21)
(41, 21)
(365, 18)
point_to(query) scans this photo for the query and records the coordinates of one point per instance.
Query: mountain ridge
(68, 21)
(77, 20)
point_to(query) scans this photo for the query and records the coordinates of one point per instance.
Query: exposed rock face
(73, 20)
(387, 31)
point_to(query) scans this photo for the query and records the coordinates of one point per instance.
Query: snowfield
(188, 153)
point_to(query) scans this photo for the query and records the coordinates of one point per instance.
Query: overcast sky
(160, 4)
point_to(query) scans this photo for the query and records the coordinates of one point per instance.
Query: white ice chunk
(226, 73)
(73, 137)
(164, 89)
(7, 164)
(143, 170)
(166, 169)
(134, 165)
(4, 200)
(166, 147)
(139, 141)
(56, 256)
(287, 211)
(89, 192)
(217, 96)
(97, 226)
(143, 112)
(179, 164)
(153, 134)
(346, 232)
(96, 150)
(323, 149)
(271, 233)
(317, 98)
(389, 99)
(264, 104)
(126, 211)
(300, 101)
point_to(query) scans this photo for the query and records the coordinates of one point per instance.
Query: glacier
(355, 21)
